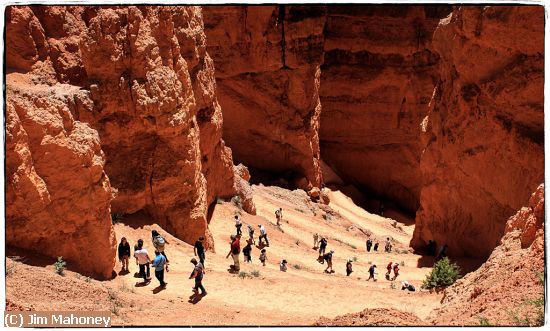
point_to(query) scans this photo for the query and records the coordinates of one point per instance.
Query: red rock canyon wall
(483, 138)
(377, 78)
(267, 61)
(128, 95)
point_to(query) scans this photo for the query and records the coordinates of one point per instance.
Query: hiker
(198, 249)
(198, 274)
(442, 253)
(315, 240)
(234, 251)
(328, 257)
(406, 286)
(282, 266)
(158, 263)
(322, 246)
(369, 244)
(263, 257)
(158, 243)
(263, 235)
(246, 252)
(238, 225)
(349, 267)
(124, 253)
(279, 215)
(375, 248)
(143, 260)
(389, 267)
(395, 271)
(387, 246)
(251, 234)
(372, 272)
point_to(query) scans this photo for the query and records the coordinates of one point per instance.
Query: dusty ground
(298, 297)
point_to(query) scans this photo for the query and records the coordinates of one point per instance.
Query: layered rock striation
(483, 138)
(267, 61)
(135, 87)
(377, 78)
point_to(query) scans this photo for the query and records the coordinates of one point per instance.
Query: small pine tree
(444, 273)
(60, 265)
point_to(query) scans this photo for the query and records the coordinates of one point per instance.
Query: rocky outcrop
(372, 317)
(57, 193)
(377, 78)
(505, 289)
(139, 86)
(267, 61)
(484, 135)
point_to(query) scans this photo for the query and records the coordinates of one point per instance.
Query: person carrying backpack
(372, 270)
(322, 246)
(395, 271)
(158, 263)
(234, 251)
(263, 235)
(376, 246)
(238, 225)
(124, 253)
(263, 256)
(198, 249)
(349, 267)
(158, 243)
(389, 267)
(198, 274)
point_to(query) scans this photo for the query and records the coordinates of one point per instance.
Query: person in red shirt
(389, 267)
(234, 251)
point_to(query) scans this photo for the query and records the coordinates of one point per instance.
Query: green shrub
(444, 273)
(402, 263)
(392, 285)
(255, 273)
(60, 265)
(243, 274)
(297, 266)
(483, 321)
(354, 259)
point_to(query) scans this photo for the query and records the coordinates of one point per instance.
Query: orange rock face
(377, 78)
(267, 61)
(503, 286)
(484, 134)
(139, 86)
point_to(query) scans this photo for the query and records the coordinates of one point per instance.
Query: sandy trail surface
(296, 297)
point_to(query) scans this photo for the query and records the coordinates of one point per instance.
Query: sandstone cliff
(135, 87)
(377, 78)
(484, 140)
(267, 61)
(503, 290)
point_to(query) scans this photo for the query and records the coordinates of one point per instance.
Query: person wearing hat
(282, 266)
(199, 250)
(395, 271)
(263, 235)
(198, 274)
(405, 285)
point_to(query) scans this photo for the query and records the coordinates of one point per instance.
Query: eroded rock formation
(135, 86)
(507, 284)
(484, 135)
(377, 78)
(267, 61)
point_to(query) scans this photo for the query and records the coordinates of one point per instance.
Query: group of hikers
(161, 263)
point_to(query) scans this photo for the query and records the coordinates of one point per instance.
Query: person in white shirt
(238, 224)
(263, 235)
(143, 260)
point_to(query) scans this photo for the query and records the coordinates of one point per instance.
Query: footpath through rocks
(258, 295)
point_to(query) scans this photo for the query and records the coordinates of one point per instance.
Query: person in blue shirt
(158, 263)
